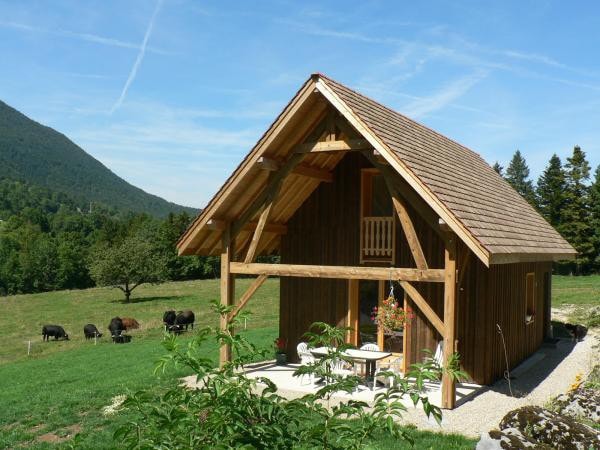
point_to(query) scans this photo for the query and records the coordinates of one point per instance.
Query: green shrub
(229, 409)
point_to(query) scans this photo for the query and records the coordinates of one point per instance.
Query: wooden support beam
(462, 266)
(220, 225)
(268, 164)
(422, 304)
(333, 146)
(448, 384)
(301, 169)
(353, 312)
(408, 228)
(273, 184)
(262, 221)
(246, 296)
(406, 337)
(227, 287)
(338, 272)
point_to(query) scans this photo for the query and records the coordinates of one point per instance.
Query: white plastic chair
(393, 366)
(339, 368)
(306, 358)
(370, 347)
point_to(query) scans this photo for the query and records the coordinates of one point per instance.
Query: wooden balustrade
(378, 236)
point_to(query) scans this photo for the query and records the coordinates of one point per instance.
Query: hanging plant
(390, 316)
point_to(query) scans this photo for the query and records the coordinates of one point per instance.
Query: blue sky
(170, 95)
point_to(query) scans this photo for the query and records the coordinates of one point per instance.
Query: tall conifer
(575, 221)
(498, 168)
(551, 191)
(595, 213)
(517, 174)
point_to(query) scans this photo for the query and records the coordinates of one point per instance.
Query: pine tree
(551, 191)
(575, 221)
(517, 174)
(498, 168)
(595, 213)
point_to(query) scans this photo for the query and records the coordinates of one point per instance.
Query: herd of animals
(174, 322)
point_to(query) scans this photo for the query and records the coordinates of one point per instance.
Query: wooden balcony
(378, 239)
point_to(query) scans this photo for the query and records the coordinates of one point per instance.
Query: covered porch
(292, 387)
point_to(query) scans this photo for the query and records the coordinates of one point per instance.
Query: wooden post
(448, 385)
(353, 312)
(227, 287)
(380, 334)
(406, 340)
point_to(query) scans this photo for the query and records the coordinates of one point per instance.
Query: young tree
(551, 191)
(517, 174)
(575, 222)
(127, 265)
(498, 168)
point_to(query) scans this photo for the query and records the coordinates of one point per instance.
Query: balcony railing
(378, 239)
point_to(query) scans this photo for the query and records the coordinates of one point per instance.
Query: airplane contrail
(138, 60)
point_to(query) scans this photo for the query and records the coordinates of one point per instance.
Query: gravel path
(552, 374)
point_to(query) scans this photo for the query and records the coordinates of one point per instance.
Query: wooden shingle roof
(479, 205)
(494, 213)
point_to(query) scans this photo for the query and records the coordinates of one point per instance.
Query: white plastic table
(370, 358)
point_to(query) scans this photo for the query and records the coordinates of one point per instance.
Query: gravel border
(550, 376)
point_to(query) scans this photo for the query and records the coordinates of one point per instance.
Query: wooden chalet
(351, 195)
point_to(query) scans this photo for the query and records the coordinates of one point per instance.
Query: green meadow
(59, 390)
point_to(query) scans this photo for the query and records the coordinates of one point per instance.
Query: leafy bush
(229, 409)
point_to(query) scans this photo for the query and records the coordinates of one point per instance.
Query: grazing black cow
(169, 319)
(122, 339)
(175, 329)
(116, 327)
(185, 318)
(90, 331)
(54, 330)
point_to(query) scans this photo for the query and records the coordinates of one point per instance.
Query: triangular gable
(368, 118)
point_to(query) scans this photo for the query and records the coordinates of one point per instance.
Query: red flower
(280, 343)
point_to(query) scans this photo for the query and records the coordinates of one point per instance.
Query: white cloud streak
(88, 37)
(138, 60)
(445, 96)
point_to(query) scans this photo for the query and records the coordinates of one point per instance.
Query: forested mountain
(49, 241)
(38, 155)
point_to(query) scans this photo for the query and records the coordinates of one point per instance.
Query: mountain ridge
(38, 154)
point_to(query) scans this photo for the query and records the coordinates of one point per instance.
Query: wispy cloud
(533, 57)
(449, 93)
(88, 37)
(139, 59)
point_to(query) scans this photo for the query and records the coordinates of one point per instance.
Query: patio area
(290, 386)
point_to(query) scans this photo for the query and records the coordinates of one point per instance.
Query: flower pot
(280, 358)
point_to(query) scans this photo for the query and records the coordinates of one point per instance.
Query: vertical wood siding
(326, 230)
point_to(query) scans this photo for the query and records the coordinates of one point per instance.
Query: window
(530, 298)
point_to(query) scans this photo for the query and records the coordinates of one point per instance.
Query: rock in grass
(580, 403)
(508, 439)
(556, 430)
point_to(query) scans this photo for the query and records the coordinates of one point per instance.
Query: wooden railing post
(227, 287)
(448, 384)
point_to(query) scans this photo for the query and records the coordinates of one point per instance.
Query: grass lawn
(568, 290)
(60, 388)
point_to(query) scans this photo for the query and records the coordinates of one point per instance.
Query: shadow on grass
(149, 299)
